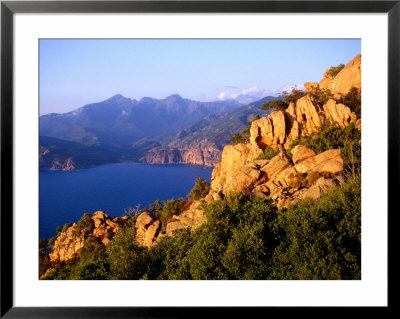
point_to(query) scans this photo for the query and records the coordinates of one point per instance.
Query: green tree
(171, 207)
(320, 239)
(293, 96)
(268, 153)
(275, 104)
(353, 101)
(238, 138)
(321, 95)
(334, 70)
(200, 189)
(126, 258)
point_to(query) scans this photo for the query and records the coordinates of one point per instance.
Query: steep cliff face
(204, 153)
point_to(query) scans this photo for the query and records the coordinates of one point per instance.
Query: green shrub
(237, 138)
(126, 258)
(52, 240)
(334, 70)
(200, 189)
(171, 256)
(268, 153)
(353, 101)
(293, 96)
(84, 225)
(170, 208)
(66, 226)
(320, 239)
(321, 95)
(92, 249)
(44, 261)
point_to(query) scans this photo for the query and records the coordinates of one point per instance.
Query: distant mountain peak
(174, 98)
(116, 98)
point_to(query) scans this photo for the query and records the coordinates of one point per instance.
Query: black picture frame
(9, 8)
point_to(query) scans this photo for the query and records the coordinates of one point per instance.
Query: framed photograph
(165, 158)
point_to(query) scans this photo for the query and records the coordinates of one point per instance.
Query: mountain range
(173, 130)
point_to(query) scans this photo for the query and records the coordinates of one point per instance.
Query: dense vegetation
(243, 238)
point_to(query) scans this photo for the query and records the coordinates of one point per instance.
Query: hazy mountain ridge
(116, 124)
(120, 121)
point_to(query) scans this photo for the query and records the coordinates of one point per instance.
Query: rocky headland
(290, 176)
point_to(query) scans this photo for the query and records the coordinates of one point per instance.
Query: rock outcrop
(284, 181)
(348, 77)
(98, 225)
(147, 229)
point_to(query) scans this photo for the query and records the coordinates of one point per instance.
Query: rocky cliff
(98, 225)
(204, 153)
(286, 178)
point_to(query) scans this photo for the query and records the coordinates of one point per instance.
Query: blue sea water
(64, 196)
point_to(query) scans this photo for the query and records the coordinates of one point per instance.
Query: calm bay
(66, 195)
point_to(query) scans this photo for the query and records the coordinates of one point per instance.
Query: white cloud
(254, 93)
(247, 95)
(223, 96)
(289, 88)
(253, 90)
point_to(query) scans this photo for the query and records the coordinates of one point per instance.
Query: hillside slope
(199, 143)
(119, 121)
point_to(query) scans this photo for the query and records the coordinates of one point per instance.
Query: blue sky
(78, 72)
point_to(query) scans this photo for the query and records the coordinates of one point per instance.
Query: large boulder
(268, 131)
(233, 158)
(329, 161)
(151, 233)
(143, 223)
(339, 113)
(300, 153)
(276, 165)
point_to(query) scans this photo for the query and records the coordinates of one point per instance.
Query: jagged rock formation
(340, 85)
(99, 225)
(283, 180)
